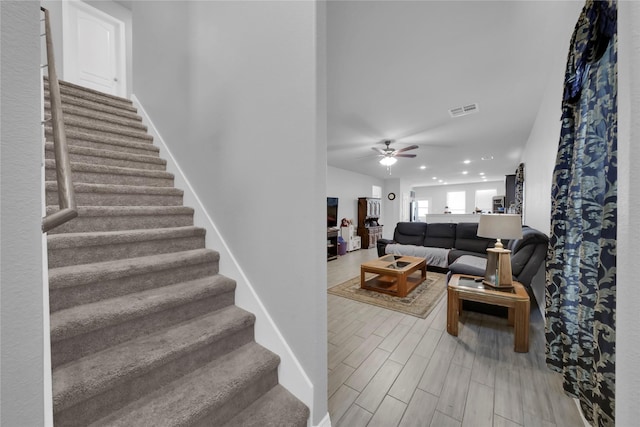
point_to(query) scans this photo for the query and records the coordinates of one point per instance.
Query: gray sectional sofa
(456, 248)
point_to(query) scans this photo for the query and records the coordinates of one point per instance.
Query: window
(423, 209)
(484, 199)
(456, 202)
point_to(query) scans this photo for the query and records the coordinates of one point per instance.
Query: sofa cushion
(470, 265)
(467, 238)
(435, 257)
(410, 233)
(440, 235)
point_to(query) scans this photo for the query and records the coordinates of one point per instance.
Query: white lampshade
(500, 226)
(388, 161)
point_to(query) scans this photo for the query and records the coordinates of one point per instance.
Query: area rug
(418, 303)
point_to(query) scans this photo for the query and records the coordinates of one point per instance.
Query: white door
(93, 48)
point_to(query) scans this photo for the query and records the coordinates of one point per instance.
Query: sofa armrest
(381, 244)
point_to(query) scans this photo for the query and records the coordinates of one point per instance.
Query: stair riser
(118, 199)
(99, 406)
(108, 161)
(121, 144)
(134, 135)
(90, 177)
(125, 222)
(108, 178)
(76, 347)
(73, 117)
(129, 113)
(61, 298)
(245, 397)
(83, 110)
(90, 96)
(109, 252)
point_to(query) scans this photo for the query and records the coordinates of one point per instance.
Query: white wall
(348, 186)
(21, 302)
(234, 89)
(437, 194)
(539, 156)
(628, 293)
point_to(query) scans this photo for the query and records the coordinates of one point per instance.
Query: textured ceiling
(395, 68)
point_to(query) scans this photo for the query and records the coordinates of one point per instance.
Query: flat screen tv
(332, 212)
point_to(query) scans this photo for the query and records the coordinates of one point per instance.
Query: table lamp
(499, 226)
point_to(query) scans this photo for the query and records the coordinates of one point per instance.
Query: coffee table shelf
(394, 274)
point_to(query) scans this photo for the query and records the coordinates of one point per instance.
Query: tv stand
(332, 244)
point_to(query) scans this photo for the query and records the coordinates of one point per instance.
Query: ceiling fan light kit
(388, 161)
(389, 155)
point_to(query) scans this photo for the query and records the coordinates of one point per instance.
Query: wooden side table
(464, 288)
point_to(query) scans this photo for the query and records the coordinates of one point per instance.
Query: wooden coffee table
(462, 287)
(394, 274)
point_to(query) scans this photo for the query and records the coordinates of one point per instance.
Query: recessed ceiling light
(481, 173)
(466, 162)
(434, 177)
(423, 167)
(486, 158)
(464, 172)
(439, 180)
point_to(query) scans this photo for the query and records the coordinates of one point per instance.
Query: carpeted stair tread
(71, 89)
(102, 128)
(87, 248)
(108, 143)
(115, 366)
(92, 317)
(201, 393)
(103, 174)
(276, 408)
(127, 112)
(117, 195)
(76, 275)
(100, 238)
(112, 218)
(98, 156)
(114, 170)
(80, 113)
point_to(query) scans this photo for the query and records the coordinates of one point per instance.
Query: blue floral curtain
(581, 264)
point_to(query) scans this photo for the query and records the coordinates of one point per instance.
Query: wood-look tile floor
(390, 369)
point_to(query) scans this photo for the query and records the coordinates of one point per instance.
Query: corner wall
(22, 293)
(235, 89)
(347, 186)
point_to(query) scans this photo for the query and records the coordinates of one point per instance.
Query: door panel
(93, 49)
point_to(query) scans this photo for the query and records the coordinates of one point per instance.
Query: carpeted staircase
(144, 330)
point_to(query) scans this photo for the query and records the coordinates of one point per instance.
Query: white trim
(325, 422)
(291, 375)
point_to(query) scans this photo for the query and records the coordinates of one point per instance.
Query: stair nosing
(99, 211)
(103, 139)
(78, 275)
(102, 238)
(110, 154)
(81, 187)
(112, 170)
(74, 321)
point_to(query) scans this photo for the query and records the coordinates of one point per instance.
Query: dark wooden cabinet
(369, 230)
(332, 244)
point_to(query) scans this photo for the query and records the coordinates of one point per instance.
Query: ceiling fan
(389, 155)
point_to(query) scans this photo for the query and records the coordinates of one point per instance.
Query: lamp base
(498, 272)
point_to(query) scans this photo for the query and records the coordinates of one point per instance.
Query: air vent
(464, 110)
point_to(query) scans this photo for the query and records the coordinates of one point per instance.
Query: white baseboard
(291, 375)
(325, 422)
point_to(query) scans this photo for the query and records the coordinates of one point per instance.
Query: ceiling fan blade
(405, 155)
(411, 147)
(378, 150)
